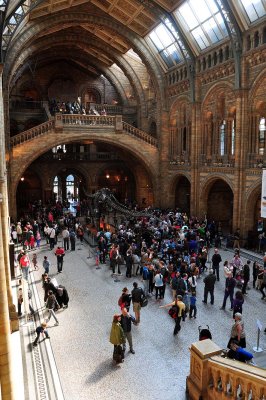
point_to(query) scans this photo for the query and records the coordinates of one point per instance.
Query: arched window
(70, 182)
(262, 128)
(56, 187)
(222, 138)
(233, 137)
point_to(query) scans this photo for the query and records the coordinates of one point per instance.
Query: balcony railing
(214, 377)
(86, 156)
(131, 130)
(78, 119)
(217, 161)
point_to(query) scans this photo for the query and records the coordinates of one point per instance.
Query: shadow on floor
(102, 370)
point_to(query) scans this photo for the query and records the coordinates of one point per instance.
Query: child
(34, 261)
(32, 242)
(38, 239)
(238, 302)
(193, 307)
(41, 330)
(20, 301)
(97, 259)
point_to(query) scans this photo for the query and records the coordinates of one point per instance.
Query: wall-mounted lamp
(22, 178)
(107, 176)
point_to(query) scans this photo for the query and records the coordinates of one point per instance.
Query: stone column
(241, 141)
(164, 193)
(4, 220)
(194, 157)
(5, 294)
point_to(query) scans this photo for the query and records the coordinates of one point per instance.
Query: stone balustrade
(214, 377)
(38, 130)
(131, 130)
(78, 121)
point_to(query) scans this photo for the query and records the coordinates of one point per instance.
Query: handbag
(144, 301)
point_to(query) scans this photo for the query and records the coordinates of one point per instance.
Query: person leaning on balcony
(238, 333)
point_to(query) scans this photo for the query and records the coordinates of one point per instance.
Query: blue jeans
(228, 293)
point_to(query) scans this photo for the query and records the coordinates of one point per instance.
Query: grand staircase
(89, 124)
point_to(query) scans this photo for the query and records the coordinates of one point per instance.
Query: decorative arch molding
(17, 169)
(252, 196)
(174, 179)
(219, 86)
(92, 88)
(256, 187)
(138, 44)
(257, 92)
(77, 40)
(212, 178)
(181, 99)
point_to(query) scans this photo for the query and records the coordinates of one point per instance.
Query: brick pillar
(164, 193)
(241, 142)
(5, 294)
(194, 157)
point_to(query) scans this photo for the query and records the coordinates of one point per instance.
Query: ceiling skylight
(255, 9)
(202, 19)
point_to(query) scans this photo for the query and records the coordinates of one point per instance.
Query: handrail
(79, 119)
(213, 376)
(32, 133)
(239, 380)
(131, 130)
(61, 120)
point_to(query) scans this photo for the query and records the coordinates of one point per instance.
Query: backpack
(120, 301)
(145, 273)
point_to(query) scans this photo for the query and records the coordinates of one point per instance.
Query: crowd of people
(164, 249)
(73, 107)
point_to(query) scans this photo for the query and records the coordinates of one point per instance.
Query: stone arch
(93, 91)
(219, 89)
(252, 208)
(182, 185)
(47, 44)
(121, 180)
(20, 165)
(138, 44)
(257, 93)
(218, 189)
(180, 128)
(29, 189)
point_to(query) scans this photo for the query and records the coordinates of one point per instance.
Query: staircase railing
(38, 130)
(61, 120)
(131, 130)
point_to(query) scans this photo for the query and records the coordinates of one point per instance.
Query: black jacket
(216, 259)
(230, 284)
(126, 322)
(210, 281)
(137, 295)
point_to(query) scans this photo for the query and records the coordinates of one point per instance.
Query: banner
(263, 195)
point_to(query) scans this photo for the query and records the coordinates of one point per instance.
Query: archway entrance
(220, 205)
(29, 191)
(122, 183)
(182, 194)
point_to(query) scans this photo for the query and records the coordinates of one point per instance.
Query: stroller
(204, 333)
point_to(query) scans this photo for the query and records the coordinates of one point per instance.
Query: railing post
(58, 122)
(118, 123)
(197, 381)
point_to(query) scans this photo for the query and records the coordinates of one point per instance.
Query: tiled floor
(159, 368)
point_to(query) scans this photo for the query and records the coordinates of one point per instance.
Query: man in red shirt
(60, 254)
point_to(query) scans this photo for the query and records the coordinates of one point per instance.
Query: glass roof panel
(255, 9)
(203, 21)
(201, 9)
(188, 16)
(166, 40)
(200, 38)
(164, 35)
